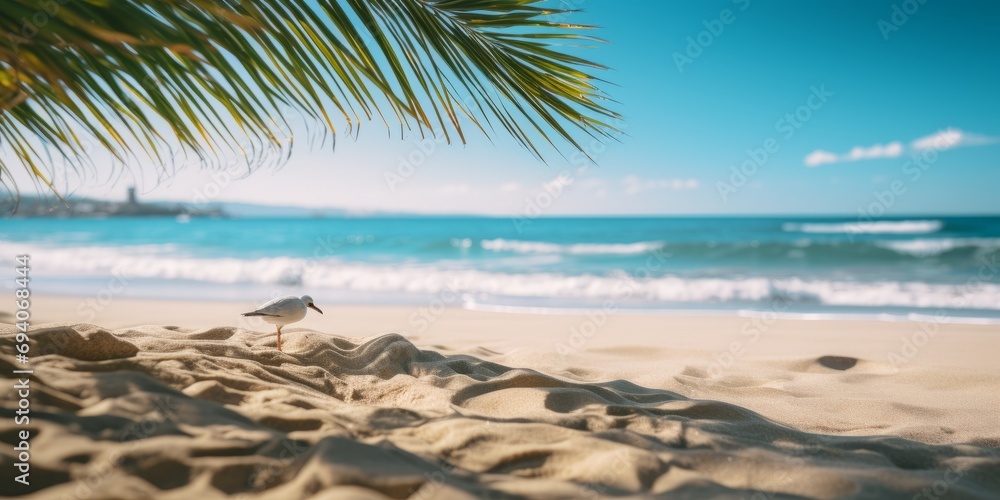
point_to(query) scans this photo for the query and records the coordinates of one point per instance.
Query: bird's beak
(316, 308)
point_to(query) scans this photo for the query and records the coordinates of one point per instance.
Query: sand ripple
(172, 413)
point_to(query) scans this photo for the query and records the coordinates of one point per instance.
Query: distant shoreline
(242, 210)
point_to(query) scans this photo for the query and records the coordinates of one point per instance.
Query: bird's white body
(284, 311)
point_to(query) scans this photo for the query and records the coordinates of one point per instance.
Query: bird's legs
(279, 337)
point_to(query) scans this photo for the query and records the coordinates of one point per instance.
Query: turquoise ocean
(916, 267)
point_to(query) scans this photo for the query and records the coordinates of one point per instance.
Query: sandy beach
(503, 249)
(170, 399)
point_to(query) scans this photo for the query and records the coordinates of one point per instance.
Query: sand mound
(86, 342)
(170, 413)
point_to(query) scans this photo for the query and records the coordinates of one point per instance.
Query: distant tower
(131, 196)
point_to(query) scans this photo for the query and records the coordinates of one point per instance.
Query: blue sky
(887, 87)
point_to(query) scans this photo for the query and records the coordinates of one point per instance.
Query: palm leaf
(154, 79)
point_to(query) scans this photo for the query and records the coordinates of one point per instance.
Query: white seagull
(284, 310)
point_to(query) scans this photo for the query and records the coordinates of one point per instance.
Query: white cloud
(941, 140)
(945, 139)
(891, 150)
(949, 139)
(634, 184)
(508, 187)
(820, 157)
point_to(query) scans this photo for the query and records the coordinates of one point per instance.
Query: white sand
(465, 404)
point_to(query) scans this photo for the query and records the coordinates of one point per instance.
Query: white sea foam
(502, 245)
(929, 247)
(876, 227)
(144, 262)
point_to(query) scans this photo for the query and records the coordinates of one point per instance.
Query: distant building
(84, 207)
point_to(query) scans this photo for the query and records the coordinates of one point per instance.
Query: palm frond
(142, 78)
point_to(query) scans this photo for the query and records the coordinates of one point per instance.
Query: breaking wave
(929, 247)
(156, 263)
(877, 227)
(502, 245)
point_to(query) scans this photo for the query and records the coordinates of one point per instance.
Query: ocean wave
(430, 280)
(933, 247)
(502, 245)
(815, 250)
(877, 227)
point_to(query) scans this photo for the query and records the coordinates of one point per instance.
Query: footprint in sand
(838, 362)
